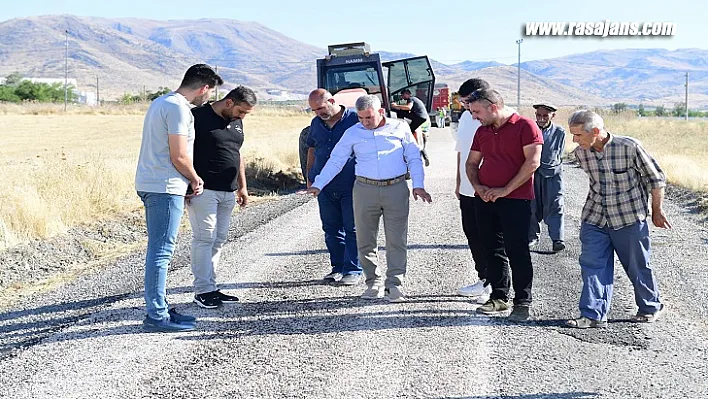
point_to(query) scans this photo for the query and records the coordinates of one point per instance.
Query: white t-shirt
(167, 114)
(466, 129)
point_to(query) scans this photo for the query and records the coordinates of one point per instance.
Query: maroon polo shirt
(503, 153)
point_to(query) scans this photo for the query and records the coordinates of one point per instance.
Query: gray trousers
(547, 207)
(370, 203)
(209, 215)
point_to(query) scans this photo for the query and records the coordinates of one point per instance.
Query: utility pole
(98, 98)
(686, 95)
(518, 78)
(66, 68)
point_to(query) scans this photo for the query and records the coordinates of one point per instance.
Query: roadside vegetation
(69, 169)
(64, 170)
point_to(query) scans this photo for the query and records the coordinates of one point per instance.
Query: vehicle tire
(302, 150)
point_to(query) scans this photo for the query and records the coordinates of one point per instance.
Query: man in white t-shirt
(467, 127)
(164, 172)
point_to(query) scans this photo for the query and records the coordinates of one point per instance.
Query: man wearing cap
(547, 204)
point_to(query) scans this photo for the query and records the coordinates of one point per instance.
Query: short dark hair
(242, 94)
(489, 95)
(200, 75)
(405, 91)
(471, 85)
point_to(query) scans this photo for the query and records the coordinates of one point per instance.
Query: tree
(13, 79)
(43, 92)
(619, 107)
(641, 110)
(7, 93)
(160, 91)
(660, 111)
(679, 109)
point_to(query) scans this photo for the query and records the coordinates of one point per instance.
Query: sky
(447, 31)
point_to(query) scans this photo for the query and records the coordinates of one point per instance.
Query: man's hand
(457, 191)
(197, 186)
(242, 197)
(482, 192)
(310, 190)
(493, 194)
(659, 219)
(420, 192)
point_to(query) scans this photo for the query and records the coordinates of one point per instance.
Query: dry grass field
(678, 145)
(64, 170)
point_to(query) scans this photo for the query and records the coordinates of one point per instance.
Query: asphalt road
(293, 337)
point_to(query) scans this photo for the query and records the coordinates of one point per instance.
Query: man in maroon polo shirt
(508, 147)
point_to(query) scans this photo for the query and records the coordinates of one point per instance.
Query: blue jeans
(337, 215)
(163, 213)
(597, 261)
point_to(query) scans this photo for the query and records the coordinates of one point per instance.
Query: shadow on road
(554, 395)
(413, 247)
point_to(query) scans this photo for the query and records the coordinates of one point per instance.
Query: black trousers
(474, 241)
(503, 226)
(416, 120)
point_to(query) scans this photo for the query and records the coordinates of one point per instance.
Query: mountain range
(130, 55)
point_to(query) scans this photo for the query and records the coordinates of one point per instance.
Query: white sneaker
(333, 277)
(394, 294)
(476, 289)
(373, 292)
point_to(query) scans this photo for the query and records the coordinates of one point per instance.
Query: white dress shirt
(384, 153)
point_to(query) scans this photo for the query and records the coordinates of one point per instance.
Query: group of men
(508, 180)
(190, 156)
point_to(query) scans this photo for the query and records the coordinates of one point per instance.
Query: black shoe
(424, 155)
(558, 246)
(225, 298)
(208, 300)
(520, 313)
(176, 317)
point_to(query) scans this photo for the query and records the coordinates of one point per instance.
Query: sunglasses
(476, 96)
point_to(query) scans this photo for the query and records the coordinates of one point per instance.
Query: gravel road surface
(293, 337)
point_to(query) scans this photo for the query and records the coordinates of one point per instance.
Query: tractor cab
(351, 70)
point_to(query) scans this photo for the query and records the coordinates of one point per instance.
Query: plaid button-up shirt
(621, 177)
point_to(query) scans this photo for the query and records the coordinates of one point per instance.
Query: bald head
(319, 95)
(322, 104)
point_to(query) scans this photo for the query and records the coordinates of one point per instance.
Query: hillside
(129, 55)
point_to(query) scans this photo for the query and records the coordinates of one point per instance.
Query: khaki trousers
(370, 203)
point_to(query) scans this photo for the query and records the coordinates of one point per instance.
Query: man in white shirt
(464, 191)
(385, 151)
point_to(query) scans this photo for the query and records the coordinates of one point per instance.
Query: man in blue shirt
(335, 201)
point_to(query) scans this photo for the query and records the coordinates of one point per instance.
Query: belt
(385, 182)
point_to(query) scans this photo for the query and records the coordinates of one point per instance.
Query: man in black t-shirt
(219, 135)
(414, 109)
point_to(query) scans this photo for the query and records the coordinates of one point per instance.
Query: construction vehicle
(352, 70)
(441, 99)
(456, 107)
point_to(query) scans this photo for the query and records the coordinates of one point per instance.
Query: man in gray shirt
(547, 205)
(164, 173)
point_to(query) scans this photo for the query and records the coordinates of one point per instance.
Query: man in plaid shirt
(614, 219)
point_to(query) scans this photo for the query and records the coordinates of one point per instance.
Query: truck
(350, 70)
(441, 99)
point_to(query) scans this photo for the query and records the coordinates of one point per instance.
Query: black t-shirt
(418, 107)
(217, 146)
